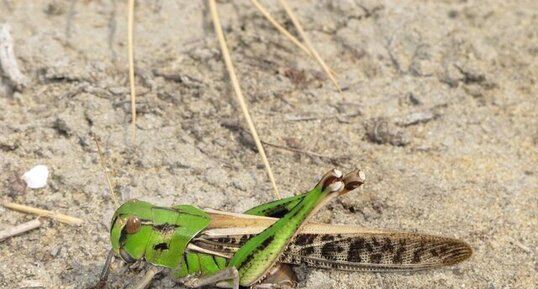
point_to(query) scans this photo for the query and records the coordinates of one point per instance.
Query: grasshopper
(257, 248)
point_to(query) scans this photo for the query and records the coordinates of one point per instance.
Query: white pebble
(36, 177)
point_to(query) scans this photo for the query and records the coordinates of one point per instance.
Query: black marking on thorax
(160, 246)
(165, 228)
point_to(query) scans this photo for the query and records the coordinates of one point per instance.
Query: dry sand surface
(439, 108)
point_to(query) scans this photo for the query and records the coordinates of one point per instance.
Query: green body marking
(162, 234)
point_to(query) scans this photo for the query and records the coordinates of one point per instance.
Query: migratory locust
(256, 249)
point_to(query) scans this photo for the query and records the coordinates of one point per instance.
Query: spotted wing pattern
(365, 251)
(387, 251)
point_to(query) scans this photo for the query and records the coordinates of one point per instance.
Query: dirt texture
(439, 108)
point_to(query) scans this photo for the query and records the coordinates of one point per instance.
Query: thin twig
(44, 213)
(148, 277)
(520, 245)
(239, 94)
(8, 62)
(305, 152)
(309, 117)
(130, 52)
(306, 40)
(280, 28)
(284, 31)
(19, 229)
(103, 166)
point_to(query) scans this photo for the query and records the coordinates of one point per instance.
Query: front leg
(105, 272)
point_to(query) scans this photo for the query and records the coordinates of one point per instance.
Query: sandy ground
(439, 108)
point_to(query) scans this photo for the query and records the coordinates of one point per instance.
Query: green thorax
(162, 235)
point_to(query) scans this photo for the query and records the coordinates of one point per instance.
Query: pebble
(36, 177)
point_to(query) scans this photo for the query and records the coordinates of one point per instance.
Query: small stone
(417, 117)
(36, 177)
(34, 284)
(381, 132)
(54, 251)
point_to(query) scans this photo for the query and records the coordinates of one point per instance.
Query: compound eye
(133, 225)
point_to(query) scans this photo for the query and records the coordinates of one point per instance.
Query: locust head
(158, 235)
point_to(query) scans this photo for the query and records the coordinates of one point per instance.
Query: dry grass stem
(108, 181)
(280, 28)
(526, 249)
(305, 152)
(130, 52)
(44, 213)
(19, 229)
(306, 40)
(239, 94)
(286, 33)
